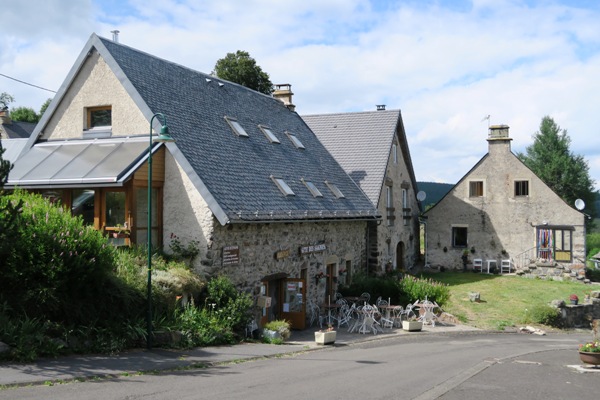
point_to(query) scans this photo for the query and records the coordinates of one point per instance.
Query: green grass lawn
(505, 300)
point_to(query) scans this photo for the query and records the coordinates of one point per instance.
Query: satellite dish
(421, 195)
(579, 204)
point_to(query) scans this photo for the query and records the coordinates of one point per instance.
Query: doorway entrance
(288, 300)
(400, 256)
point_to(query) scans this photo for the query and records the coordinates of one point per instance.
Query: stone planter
(412, 326)
(590, 358)
(271, 334)
(323, 338)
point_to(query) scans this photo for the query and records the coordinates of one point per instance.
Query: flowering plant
(320, 275)
(329, 328)
(590, 347)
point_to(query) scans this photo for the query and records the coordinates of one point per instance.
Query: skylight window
(295, 140)
(312, 188)
(269, 134)
(283, 186)
(335, 190)
(236, 127)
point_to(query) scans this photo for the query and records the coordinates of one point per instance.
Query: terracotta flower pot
(589, 358)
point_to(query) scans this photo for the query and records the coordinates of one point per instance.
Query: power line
(27, 83)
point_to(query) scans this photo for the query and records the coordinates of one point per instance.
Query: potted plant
(276, 331)
(589, 352)
(121, 231)
(326, 336)
(465, 259)
(574, 299)
(412, 325)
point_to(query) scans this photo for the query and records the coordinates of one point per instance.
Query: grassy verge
(505, 300)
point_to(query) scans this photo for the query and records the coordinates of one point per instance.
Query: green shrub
(421, 289)
(592, 274)
(384, 287)
(221, 320)
(56, 268)
(543, 314)
(281, 326)
(225, 299)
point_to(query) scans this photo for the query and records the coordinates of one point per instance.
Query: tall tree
(24, 114)
(45, 106)
(567, 174)
(5, 99)
(240, 68)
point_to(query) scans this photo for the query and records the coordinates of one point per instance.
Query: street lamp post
(162, 137)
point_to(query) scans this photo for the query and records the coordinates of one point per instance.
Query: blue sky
(445, 64)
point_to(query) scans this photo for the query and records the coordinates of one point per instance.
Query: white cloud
(446, 64)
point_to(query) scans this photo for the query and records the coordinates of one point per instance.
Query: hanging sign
(312, 249)
(231, 255)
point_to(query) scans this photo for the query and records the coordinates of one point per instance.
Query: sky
(446, 64)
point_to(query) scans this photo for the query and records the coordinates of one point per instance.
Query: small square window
(295, 140)
(283, 186)
(459, 236)
(236, 127)
(334, 189)
(476, 189)
(521, 188)
(99, 117)
(312, 188)
(269, 134)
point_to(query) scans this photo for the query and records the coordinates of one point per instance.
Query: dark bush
(57, 268)
(384, 287)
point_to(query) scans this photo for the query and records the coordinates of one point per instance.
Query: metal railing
(525, 258)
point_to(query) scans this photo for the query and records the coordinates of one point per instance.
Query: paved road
(466, 365)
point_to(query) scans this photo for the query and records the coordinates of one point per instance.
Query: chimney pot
(380, 107)
(283, 92)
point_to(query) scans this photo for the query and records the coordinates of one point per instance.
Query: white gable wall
(95, 85)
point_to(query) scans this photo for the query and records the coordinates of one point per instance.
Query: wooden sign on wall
(231, 255)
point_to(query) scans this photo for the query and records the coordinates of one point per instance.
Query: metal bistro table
(329, 307)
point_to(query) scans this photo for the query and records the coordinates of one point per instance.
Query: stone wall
(554, 271)
(274, 248)
(580, 315)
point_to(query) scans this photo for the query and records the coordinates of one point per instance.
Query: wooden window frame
(91, 110)
(476, 188)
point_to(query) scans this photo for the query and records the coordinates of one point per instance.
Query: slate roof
(232, 173)
(361, 143)
(18, 129)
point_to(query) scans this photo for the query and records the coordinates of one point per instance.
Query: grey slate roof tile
(236, 170)
(360, 142)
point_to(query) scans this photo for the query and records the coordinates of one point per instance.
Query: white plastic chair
(478, 264)
(505, 265)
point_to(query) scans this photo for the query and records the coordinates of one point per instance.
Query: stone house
(246, 180)
(500, 210)
(10, 129)
(13, 135)
(372, 148)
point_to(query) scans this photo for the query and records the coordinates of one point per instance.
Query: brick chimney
(5, 116)
(284, 93)
(498, 138)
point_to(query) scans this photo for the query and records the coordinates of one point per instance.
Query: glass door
(293, 307)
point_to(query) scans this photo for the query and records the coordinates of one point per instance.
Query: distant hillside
(434, 191)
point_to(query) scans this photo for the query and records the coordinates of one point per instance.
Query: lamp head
(164, 135)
